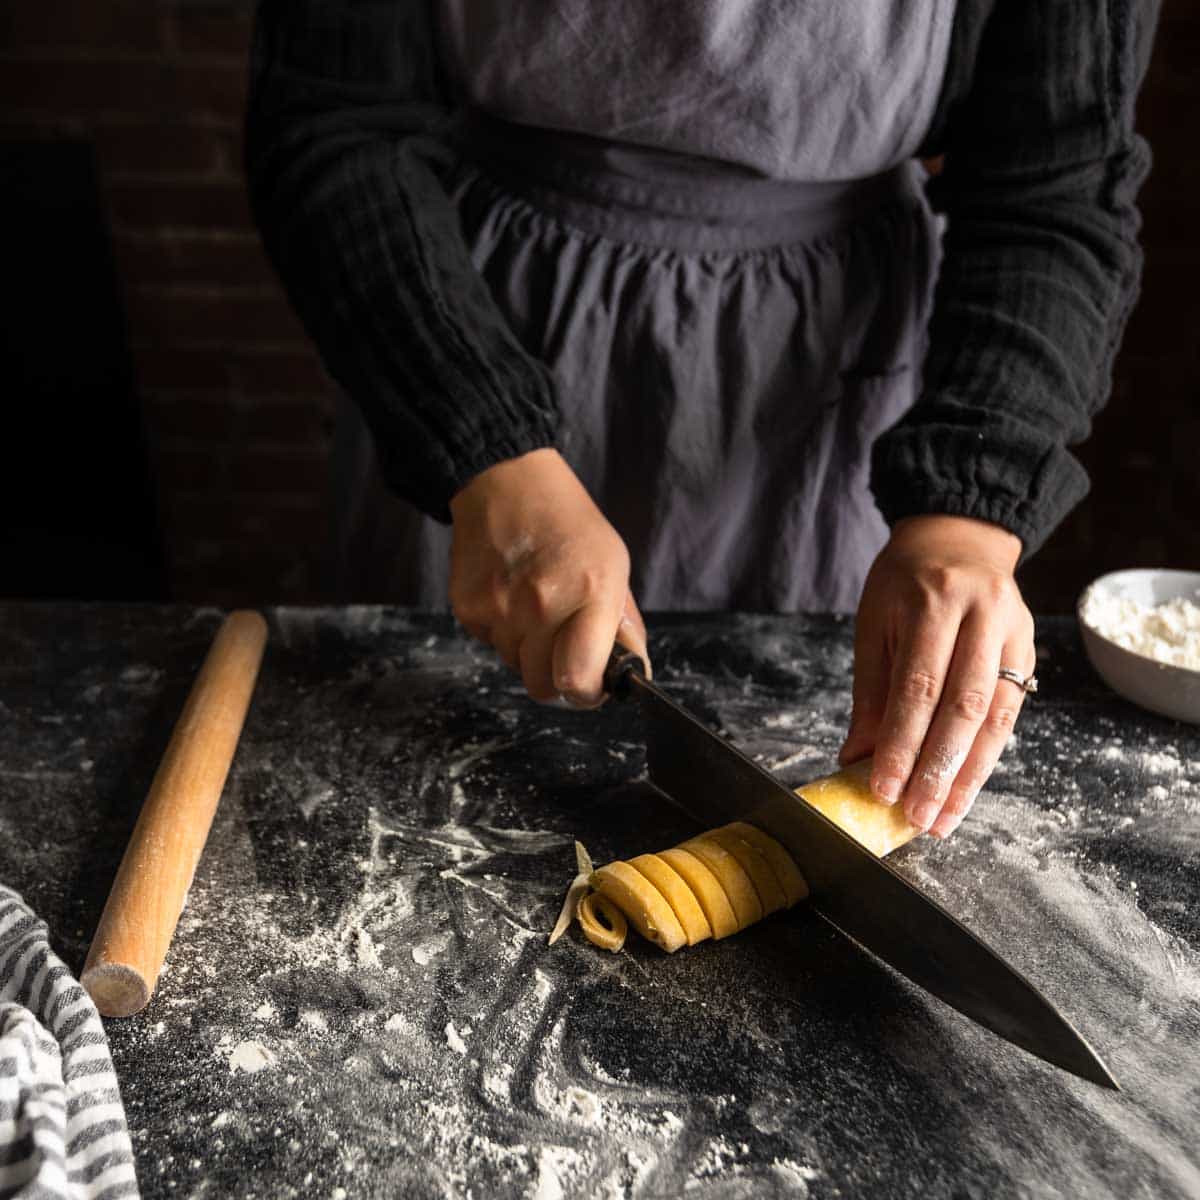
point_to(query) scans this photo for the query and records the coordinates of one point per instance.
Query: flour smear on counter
(486, 1074)
(372, 912)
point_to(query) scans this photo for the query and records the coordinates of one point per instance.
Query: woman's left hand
(940, 615)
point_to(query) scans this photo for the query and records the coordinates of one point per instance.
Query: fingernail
(950, 820)
(925, 813)
(886, 788)
(944, 826)
(568, 686)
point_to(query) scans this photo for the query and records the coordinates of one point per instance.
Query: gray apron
(729, 330)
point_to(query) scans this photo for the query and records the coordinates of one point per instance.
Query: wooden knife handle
(152, 881)
(621, 662)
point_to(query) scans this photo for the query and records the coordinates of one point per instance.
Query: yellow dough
(770, 892)
(603, 923)
(793, 883)
(678, 895)
(721, 881)
(707, 889)
(642, 903)
(732, 876)
(846, 799)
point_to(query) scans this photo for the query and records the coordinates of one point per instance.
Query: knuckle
(495, 599)
(919, 687)
(971, 705)
(894, 761)
(939, 767)
(1002, 719)
(973, 780)
(938, 581)
(542, 592)
(959, 802)
(998, 588)
(591, 583)
(606, 575)
(927, 600)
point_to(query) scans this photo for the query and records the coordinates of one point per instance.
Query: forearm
(345, 144)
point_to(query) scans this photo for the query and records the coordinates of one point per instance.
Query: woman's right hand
(538, 572)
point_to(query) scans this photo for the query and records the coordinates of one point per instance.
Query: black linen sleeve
(347, 144)
(1040, 269)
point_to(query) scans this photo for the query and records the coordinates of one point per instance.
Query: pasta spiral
(722, 881)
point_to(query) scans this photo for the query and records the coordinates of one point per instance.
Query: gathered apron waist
(662, 198)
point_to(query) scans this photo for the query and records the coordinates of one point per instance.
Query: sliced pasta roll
(722, 881)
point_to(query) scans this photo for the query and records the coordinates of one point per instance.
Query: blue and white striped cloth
(62, 1124)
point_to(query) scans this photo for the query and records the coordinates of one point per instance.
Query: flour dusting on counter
(366, 932)
(250, 1057)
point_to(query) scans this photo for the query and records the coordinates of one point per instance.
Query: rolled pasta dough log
(770, 892)
(726, 879)
(793, 883)
(674, 889)
(732, 877)
(707, 889)
(846, 799)
(641, 902)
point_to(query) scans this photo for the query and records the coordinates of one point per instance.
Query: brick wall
(238, 411)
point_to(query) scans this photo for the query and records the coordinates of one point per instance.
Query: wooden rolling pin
(152, 882)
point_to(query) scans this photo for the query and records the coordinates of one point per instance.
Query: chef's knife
(848, 886)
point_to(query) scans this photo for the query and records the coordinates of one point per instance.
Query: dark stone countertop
(360, 1000)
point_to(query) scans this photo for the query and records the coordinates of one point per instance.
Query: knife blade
(854, 891)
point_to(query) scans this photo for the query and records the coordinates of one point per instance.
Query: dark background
(166, 425)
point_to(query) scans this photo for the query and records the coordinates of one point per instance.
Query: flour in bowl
(1168, 632)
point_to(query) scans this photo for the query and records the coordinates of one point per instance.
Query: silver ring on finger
(1027, 683)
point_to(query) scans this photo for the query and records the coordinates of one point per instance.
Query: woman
(639, 299)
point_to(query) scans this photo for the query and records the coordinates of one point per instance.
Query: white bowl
(1160, 687)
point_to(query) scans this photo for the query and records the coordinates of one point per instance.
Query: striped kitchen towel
(62, 1124)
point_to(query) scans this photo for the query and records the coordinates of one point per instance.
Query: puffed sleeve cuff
(1018, 482)
(428, 454)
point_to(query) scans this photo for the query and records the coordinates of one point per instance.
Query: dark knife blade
(852, 889)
